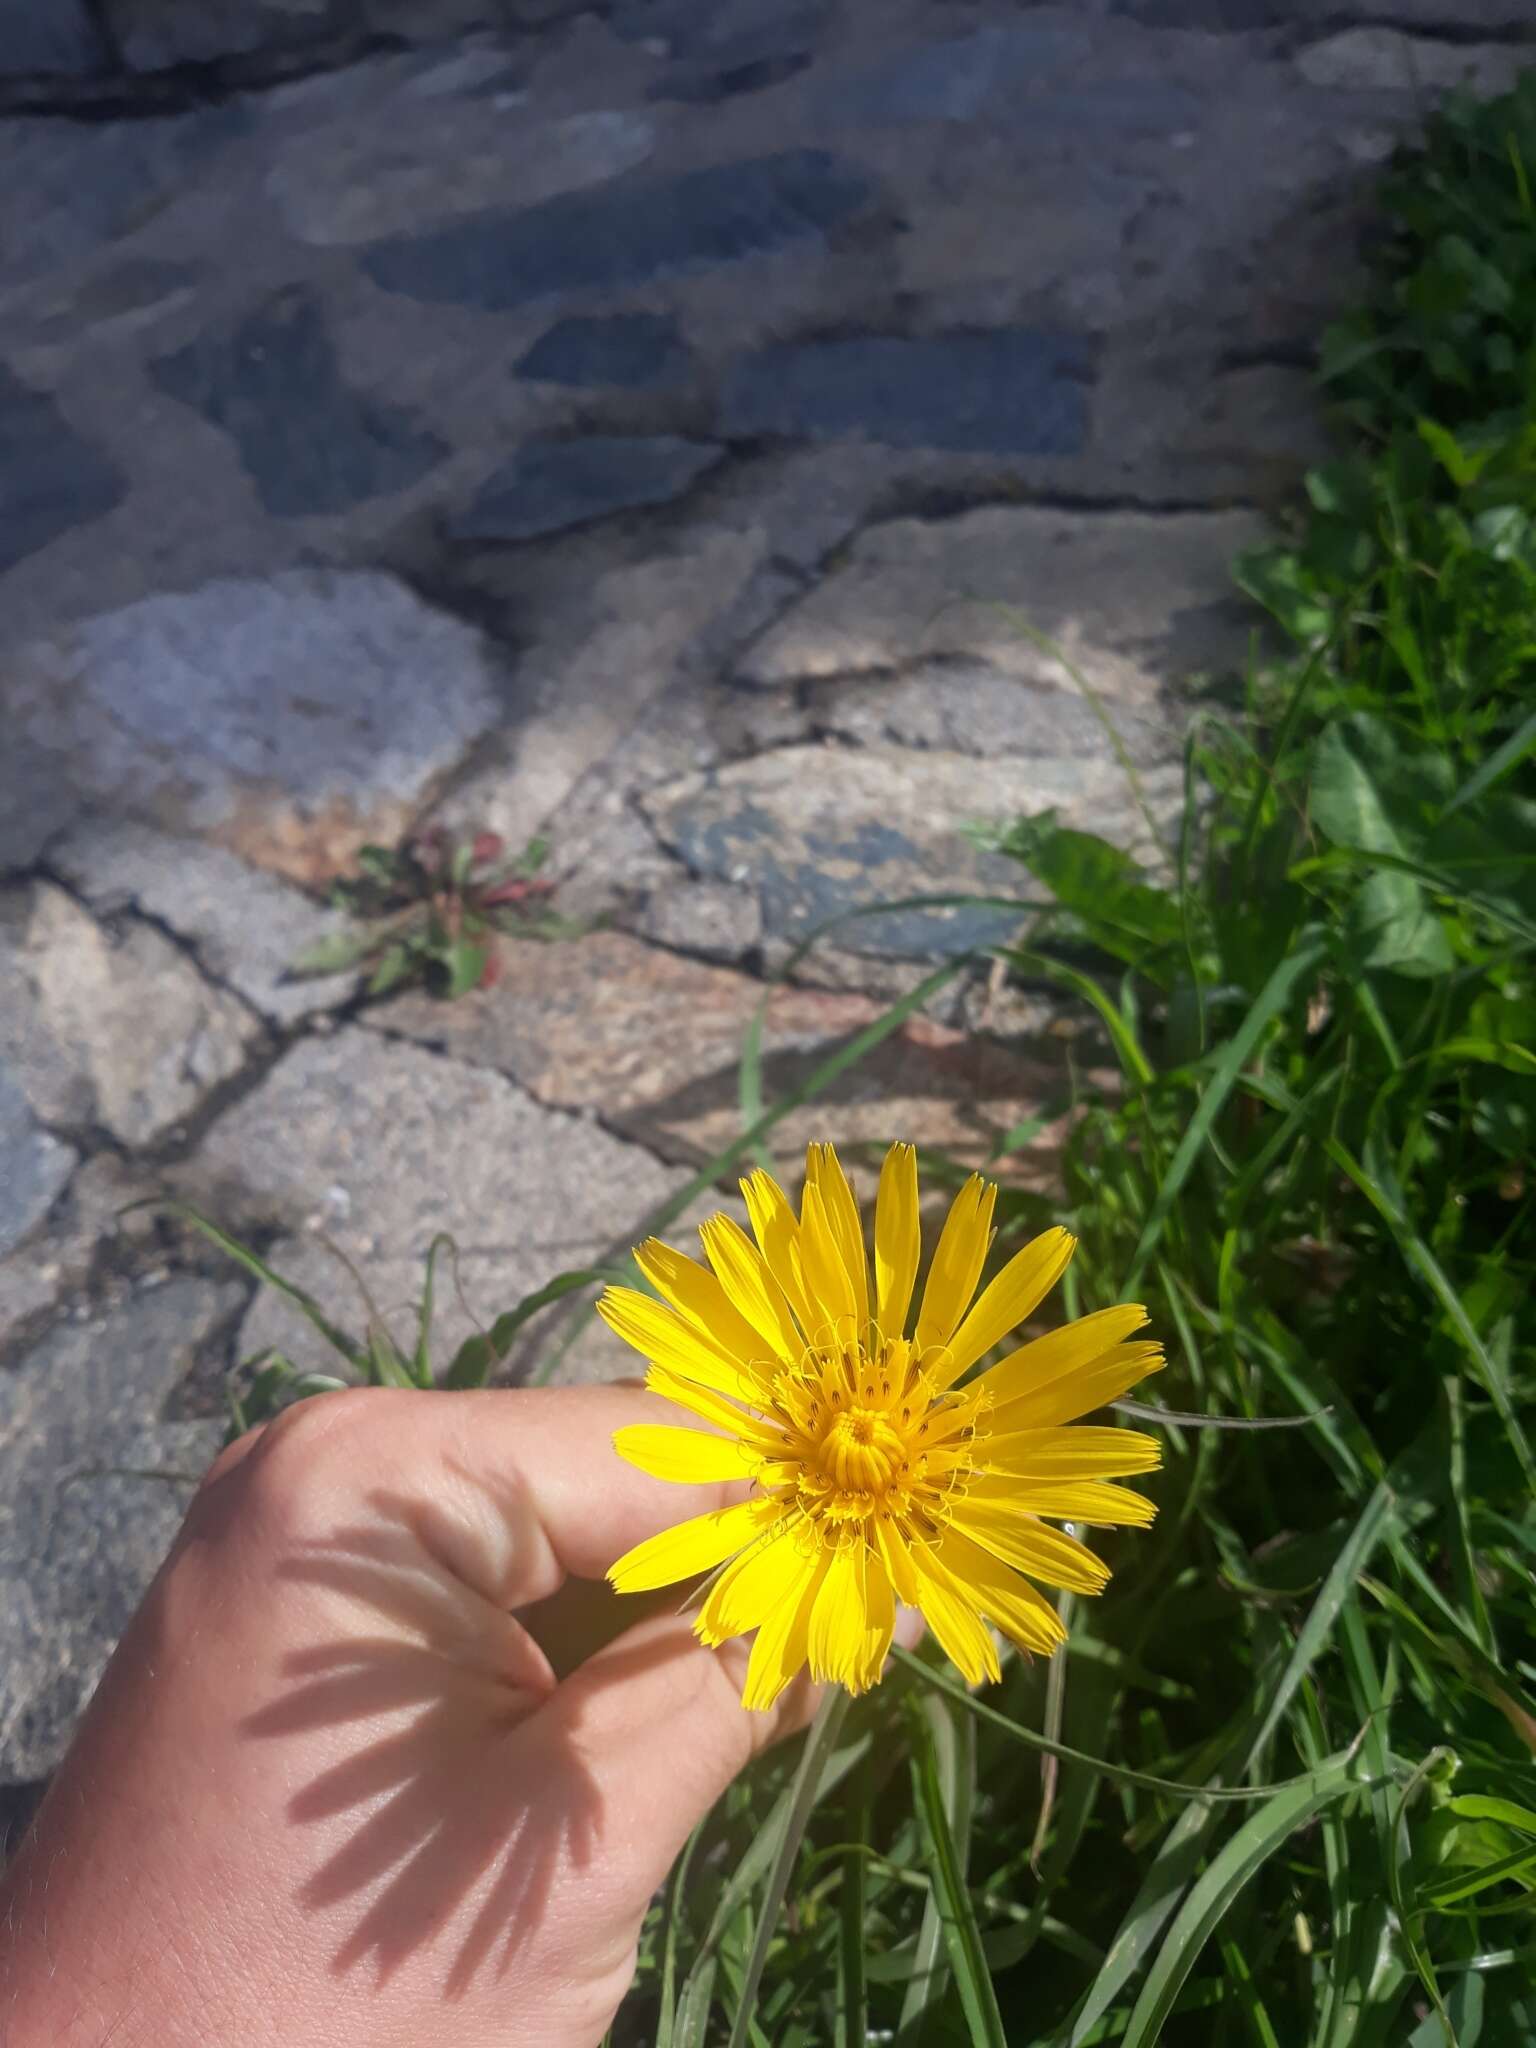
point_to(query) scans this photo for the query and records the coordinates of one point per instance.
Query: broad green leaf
(1389, 924)
(1099, 884)
(1344, 801)
(463, 965)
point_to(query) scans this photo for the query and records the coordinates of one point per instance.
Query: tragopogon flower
(876, 1476)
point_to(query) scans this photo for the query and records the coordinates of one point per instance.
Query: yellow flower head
(875, 1477)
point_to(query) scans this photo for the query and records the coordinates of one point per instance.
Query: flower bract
(878, 1471)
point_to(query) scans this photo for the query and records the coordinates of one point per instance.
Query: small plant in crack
(433, 910)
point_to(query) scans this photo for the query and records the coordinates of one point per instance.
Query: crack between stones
(186, 946)
(121, 94)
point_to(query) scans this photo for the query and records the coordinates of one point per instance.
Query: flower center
(861, 1452)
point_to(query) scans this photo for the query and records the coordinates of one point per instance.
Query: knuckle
(300, 1453)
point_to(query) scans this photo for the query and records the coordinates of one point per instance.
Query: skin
(331, 1790)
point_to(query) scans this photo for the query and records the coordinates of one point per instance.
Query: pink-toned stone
(651, 1043)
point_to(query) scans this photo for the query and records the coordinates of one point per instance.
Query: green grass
(1317, 1171)
(1280, 1791)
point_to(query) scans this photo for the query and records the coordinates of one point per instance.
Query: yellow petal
(841, 1205)
(750, 1286)
(689, 1456)
(1078, 1393)
(896, 1555)
(1018, 1610)
(1074, 1500)
(1066, 1350)
(660, 1333)
(957, 1263)
(898, 1239)
(755, 1584)
(711, 1407)
(1056, 1454)
(1016, 1292)
(1049, 1555)
(837, 1619)
(779, 1651)
(696, 1545)
(826, 1277)
(700, 1299)
(953, 1618)
(879, 1621)
(777, 1230)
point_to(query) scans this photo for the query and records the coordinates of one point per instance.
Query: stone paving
(643, 426)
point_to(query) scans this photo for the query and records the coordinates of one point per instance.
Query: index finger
(514, 1490)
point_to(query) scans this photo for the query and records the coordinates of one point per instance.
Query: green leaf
(1099, 884)
(336, 953)
(396, 964)
(1345, 803)
(1389, 924)
(463, 965)
(1462, 465)
(1277, 580)
(1259, 1838)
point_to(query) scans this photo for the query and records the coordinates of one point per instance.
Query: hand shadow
(471, 1799)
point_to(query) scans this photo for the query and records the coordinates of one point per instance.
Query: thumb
(657, 1722)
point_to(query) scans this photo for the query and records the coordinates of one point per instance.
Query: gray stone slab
(1511, 17)
(34, 1167)
(625, 234)
(727, 50)
(82, 1530)
(969, 707)
(246, 928)
(154, 35)
(51, 478)
(707, 84)
(600, 673)
(551, 485)
(68, 188)
(395, 162)
(629, 350)
(82, 1233)
(1013, 391)
(1385, 60)
(959, 78)
(290, 718)
(110, 1029)
(49, 36)
(725, 31)
(310, 443)
(383, 1145)
(1138, 601)
(1232, 16)
(819, 831)
(120, 297)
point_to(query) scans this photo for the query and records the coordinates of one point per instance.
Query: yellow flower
(876, 1478)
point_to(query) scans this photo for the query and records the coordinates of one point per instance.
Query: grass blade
(1303, 960)
(819, 1745)
(947, 1846)
(1259, 1837)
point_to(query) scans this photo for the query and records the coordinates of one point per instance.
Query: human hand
(330, 1790)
